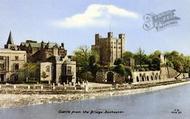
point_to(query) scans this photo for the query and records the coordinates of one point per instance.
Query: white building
(10, 63)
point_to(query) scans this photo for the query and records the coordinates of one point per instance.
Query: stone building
(42, 51)
(58, 70)
(109, 48)
(146, 76)
(10, 43)
(68, 70)
(37, 52)
(10, 63)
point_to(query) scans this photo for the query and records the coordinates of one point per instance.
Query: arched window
(137, 79)
(159, 77)
(152, 78)
(156, 77)
(143, 78)
(147, 78)
(16, 67)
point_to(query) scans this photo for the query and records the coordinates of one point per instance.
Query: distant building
(109, 48)
(10, 63)
(10, 43)
(37, 52)
(55, 66)
(58, 70)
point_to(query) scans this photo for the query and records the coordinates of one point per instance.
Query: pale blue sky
(74, 22)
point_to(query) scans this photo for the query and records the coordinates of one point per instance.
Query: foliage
(93, 66)
(142, 61)
(141, 58)
(178, 61)
(87, 60)
(100, 77)
(119, 67)
(128, 59)
(29, 71)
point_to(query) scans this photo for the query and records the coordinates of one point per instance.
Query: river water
(173, 103)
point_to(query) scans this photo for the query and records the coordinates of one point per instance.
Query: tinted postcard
(94, 59)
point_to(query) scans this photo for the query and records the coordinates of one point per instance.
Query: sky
(75, 22)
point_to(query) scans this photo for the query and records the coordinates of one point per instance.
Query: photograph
(94, 59)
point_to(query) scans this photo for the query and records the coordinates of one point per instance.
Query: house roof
(38, 45)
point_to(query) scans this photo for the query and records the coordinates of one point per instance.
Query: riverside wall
(17, 100)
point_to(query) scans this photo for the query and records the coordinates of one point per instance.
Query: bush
(119, 79)
(100, 77)
(87, 76)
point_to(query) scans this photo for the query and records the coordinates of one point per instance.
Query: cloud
(96, 15)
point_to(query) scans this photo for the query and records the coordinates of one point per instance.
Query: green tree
(29, 71)
(176, 60)
(93, 66)
(119, 67)
(87, 60)
(154, 60)
(141, 59)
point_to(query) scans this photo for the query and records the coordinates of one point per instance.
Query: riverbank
(17, 100)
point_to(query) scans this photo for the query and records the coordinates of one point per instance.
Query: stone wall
(146, 76)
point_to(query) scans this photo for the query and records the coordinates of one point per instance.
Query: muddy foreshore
(18, 100)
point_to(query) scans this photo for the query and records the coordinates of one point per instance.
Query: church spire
(10, 39)
(10, 44)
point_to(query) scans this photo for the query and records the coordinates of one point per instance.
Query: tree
(29, 71)
(154, 60)
(93, 66)
(119, 67)
(87, 60)
(128, 54)
(176, 60)
(141, 59)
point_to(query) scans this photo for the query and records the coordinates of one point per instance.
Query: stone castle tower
(109, 48)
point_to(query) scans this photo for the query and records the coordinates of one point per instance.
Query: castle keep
(109, 48)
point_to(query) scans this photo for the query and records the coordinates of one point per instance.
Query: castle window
(156, 77)
(16, 67)
(152, 78)
(147, 78)
(137, 79)
(16, 57)
(143, 78)
(69, 70)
